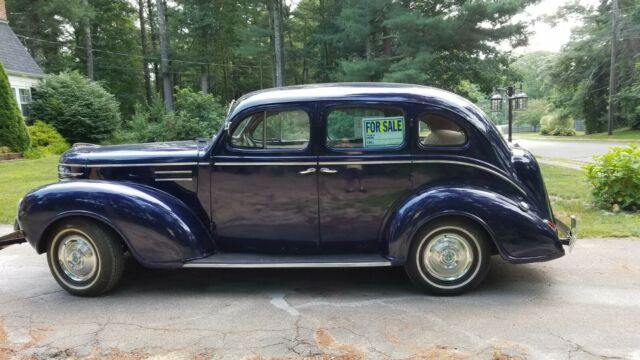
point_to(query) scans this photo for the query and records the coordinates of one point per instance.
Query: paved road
(581, 151)
(583, 306)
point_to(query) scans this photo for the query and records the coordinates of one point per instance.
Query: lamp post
(514, 102)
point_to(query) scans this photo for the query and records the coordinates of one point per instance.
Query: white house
(22, 70)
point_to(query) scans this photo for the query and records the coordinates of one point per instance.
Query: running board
(252, 260)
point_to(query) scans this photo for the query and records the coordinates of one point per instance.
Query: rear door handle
(328, 171)
(308, 171)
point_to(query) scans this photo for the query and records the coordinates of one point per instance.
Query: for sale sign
(383, 131)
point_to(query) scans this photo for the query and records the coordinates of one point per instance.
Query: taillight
(550, 224)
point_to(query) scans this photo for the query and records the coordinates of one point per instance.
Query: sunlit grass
(17, 177)
(570, 194)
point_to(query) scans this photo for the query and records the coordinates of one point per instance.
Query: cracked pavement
(583, 306)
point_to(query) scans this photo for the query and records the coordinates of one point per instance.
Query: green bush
(615, 177)
(13, 131)
(196, 115)
(562, 131)
(80, 109)
(557, 124)
(45, 140)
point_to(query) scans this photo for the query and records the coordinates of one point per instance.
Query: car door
(364, 169)
(264, 182)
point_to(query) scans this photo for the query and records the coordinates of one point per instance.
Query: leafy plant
(13, 131)
(196, 115)
(45, 140)
(80, 109)
(563, 131)
(557, 124)
(615, 177)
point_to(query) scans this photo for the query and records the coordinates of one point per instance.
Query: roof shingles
(14, 56)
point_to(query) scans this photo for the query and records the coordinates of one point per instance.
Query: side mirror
(226, 127)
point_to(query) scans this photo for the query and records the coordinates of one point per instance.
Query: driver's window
(285, 129)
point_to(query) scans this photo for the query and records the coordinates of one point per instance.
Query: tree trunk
(88, 44)
(164, 58)
(154, 43)
(143, 42)
(204, 79)
(275, 16)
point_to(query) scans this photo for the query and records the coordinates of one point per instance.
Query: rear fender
(518, 235)
(158, 229)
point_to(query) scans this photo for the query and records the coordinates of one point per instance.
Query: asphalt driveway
(583, 306)
(578, 151)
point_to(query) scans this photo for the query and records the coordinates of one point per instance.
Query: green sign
(383, 131)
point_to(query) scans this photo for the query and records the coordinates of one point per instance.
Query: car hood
(151, 153)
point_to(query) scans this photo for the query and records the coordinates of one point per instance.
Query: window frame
(448, 116)
(244, 115)
(332, 107)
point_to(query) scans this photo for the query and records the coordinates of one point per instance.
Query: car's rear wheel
(449, 257)
(85, 257)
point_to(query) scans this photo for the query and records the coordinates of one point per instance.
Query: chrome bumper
(567, 234)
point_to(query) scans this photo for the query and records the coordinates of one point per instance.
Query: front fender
(519, 236)
(159, 229)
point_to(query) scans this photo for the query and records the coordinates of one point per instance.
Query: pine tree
(13, 130)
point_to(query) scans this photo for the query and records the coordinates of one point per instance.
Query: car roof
(363, 91)
(386, 92)
(347, 91)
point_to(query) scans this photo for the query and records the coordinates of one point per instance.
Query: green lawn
(625, 134)
(17, 177)
(568, 191)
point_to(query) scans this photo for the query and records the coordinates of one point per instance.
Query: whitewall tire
(448, 256)
(85, 257)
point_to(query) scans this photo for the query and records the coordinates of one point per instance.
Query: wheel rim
(448, 256)
(77, 257)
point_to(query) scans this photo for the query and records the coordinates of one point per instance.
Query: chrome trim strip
(289, 265)
(373, 162)
(69, 174)
(127, 165)
(173, 179)
(487, 169)
(266, 163)
(173, 172)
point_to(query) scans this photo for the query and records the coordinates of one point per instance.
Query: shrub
(615, 177)
(13, 131)
(45, 140)
(562, 131)
(196, 115)
(80, 109)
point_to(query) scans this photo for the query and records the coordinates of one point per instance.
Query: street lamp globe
(521, 100)
(496, 102)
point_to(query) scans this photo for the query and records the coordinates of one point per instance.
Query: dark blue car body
(175, 203)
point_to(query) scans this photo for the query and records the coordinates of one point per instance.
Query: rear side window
(365, 128)
(286, 129)
(439, 130)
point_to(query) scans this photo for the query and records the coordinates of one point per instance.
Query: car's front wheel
(85, 257)
(449, 257)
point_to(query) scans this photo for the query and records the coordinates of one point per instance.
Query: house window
(24, 101)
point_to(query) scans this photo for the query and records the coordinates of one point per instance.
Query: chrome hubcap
(77, 258)
(448, 257)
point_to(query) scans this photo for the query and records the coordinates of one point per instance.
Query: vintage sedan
(332, 175)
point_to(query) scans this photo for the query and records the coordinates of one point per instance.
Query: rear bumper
(567, 233)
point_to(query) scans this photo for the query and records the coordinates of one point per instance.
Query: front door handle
(328, 171)
(308, 171)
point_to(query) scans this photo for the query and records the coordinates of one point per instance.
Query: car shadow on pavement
(502, 278)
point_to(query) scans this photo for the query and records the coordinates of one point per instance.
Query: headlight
(68, 172)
